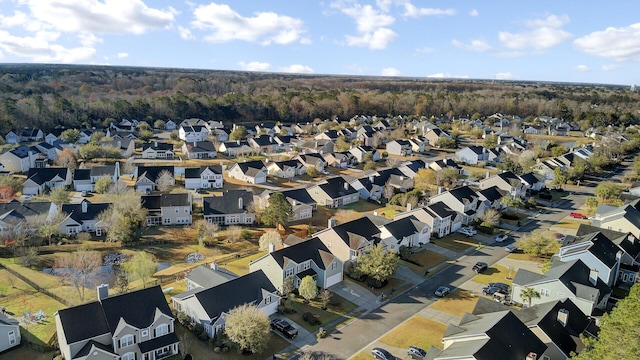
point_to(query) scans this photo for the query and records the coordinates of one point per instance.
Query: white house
(204, 177)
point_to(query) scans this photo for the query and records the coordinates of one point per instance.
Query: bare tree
(234, 233)
(165, 180)
(389, 190)
(270, 237)
(79, 269)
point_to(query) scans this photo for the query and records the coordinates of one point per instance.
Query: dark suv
(284, 327)
(480, 267)
(415, 352)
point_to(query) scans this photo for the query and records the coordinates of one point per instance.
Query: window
(334, 265)
(12, 337)
(288, 272)
(128, 356)
(162, 329)
(267, 300)
(545, 292)
(144, 333)
(126, 341)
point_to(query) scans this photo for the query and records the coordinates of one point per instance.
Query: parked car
(382, 354)
(577, 215)
(465, 232)
(470, 229)
(559, 237)
(284, 328)
(500, 285)
(415, 352)
(501, 237)
(84, 193)
(490, 290)
(442, 291)
(480, 267)
(511, 248)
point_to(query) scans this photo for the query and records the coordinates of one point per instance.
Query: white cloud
(425, 50)
(264, 28)
(411, 11)
(88, 39)
(38, 48)
(297, 69)
(620, 44)
(447, 76)
(542, 34)
(378, 40)
(504, 76)
(254, 66)
(19, 18)
(185, 33)
(390, 72)
(582, 68)
(122, 55)
(473, 12)
(610, 67)
(475, 45)
(367, 18)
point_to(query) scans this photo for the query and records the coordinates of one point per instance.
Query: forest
(81, 96)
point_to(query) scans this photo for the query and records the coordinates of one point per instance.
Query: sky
(586, 41)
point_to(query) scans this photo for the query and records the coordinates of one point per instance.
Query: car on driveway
(465, 232)
(500, 285)
(442, 291)
(577, 215)
(511, 248)
(501, 237)
(559, 237)
(284, 328)
(490, 290)
(415, 352)
(382, 354)
(470, 229)
(480, 267)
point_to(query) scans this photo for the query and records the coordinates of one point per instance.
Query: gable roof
(23, 210)
(165, 200)
(92, 212)
(363, 227)
(404, 227)
(207, 277)
(300, 195)
(463, 193)
(194, 173)
(142, 314)
(336, 187)
(441, 210)
(154, 145)
(83, 322)
(251, 167)
(312, 249)
(22, 151)
(492, 193)
(200, 147)
(42, 175)
(227, 203)
(152, 172)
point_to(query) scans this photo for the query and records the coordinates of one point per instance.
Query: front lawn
(241, 266)
(338, 307)
(418, 331)
(454, 242)
(428, 259)
(496, 273)
(457, 303)
(526, 257)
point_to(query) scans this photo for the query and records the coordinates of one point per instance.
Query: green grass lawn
(241, 266)
(418, 331)
(428, 259)
(526, 257)
(457, 303)
(496, 273)
(570, 224)
(454, 242)
(362, 356)
(338, 307)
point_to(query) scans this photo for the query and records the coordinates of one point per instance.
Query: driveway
(356, 293)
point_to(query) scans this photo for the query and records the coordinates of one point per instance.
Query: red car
(577, 215)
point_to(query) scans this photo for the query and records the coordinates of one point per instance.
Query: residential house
(597, 252)
(334, 192)
(16, 216)
(85, 179)
(472, 155)
(369, 136)
(411, 168)
(231, 208)
(624, 218)
(321, 146)
(236, 148)
(206, 276)
(368, 188)
(433, 135)
(483, 337)
(394, 177)
(442, 164)
(287, 169)
(19, 160)
(382, 125)
(572, 279)
(362, 152)
(438, 216)
(85, 135)
(406, 231)
(168, 209)
(348, 133)
(347, 241)
(312, 160)
(532, 182)
(120, 135)
(418, 144)
(204, 177)
(340, 159)
(506, 181)
(81, 217)
(45, 178)
(399, 147)
(462, 200)
(134, 325)
(199, 150)
(127, 147)
(170, 125)
(157, 150)
(24, 135)
(210, 306)
(48, 150)
(332, 135)
(491, 198)
(150, 178)
(252, 172)
(264, 143)
(530, 130)
(302, 204)
(191, 133)
(284, 130)
(307, 258)
(9, 332)
(221, 134)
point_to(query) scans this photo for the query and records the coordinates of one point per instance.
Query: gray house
(9, 332)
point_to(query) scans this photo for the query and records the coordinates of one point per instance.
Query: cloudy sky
(593, 41)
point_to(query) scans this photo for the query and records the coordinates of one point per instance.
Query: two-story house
(287, 169)
(135, 325)
(438, 216)
(191, 133)
(334, 192)
(251, 172)
(264, 143)
(231, 208)
(17, 217)
(199, 150)
(399, 147)
(158, 150)
(236, 148)
(347, 241)
(624, 218)
(308, 258)
(40, 179)
(406, 231)
(127, 147)
(363, 152)
(168, 209)
(149, 178)
(10, 336)
(206, 276)
(204, 177)
(85, 179)
(472, 155)
(506, 181)
(19, 160)
(597, 252)
(81, 217)
(462, 200)
(312, 160)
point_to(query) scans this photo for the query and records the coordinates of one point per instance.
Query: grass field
(526, 257)
(241, 266)
(427, 259)
(418, 331)
(457, 303)
(496, 273)
(454, 242)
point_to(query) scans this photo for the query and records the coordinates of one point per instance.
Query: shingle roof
(157, 146)
(82, 174)
(312, 249)
(227, 203)
(200, 147)
(363, 227)
(83, 322)
(337, 187)
(492, 193)
(194, 173)
(42, 175)
(24, 210)
(463, 193)
(142, 314)
(152, 172)
(300, 195)
(404, 227)
(92, 212)
(441, 209)
(256, 165)
(164, 200)
(207, 277)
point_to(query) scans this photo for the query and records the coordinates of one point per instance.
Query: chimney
(155, 143)
(195, 143)
(103, 291)
(440, 189)
(371, 178)
(238, 142)
(240, 203)
(563, 317)
(375, 212)
(593, 276)
(346, 186)
(214, 266)
(531, 356)
(409, 206)
(272, 247)
(332, 223)
(84, 206)
(487, 175)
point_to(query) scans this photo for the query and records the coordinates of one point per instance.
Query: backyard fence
(36, 286)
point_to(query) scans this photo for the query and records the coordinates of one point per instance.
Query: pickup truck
(284, 327)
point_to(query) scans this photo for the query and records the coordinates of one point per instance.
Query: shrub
(404, 252)
(311, 318)
(203, 336)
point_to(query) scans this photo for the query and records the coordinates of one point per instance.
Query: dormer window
(162, 329)
(127, 340)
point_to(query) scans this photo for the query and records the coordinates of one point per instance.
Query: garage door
(84, 187)
(334, 279)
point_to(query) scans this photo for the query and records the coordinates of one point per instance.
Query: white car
(464, 232)
(470, 229)
(511, 248)
(501, 237)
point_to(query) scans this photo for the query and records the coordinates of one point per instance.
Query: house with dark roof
(332, 135)
(19, 160)
(342, 159)
(302, 204)
(252, 172)
(368, 188)
(210, 306)
(168, 209)
(407, 231)
(487, 336)
(491, 198)
(204, 177)
(362, 152)
(48, 150)
(418, 144)
(399, 147)
(127, 147)
(264, 143)
(572, 279)
(14, 215)
(16, 136)
(312, 160)
(624, 218)
(206, 276)
(440, 218)
(191, 133)
(307, 258)
(442, 164)
(287, 169)
(135, 325)
(158, 150)
(347, 241)
(597, 252)
(230, 208)
(462, 200)
(149, 178)
(199, 150)
(411, 168)
(85, 179)
(506, 181)
(334, 192)
(472, 155)
(532, 181)
(561, 326)
(9, 332)
(236, 148)
(435, 134)
(39, 179)
(81, 217)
